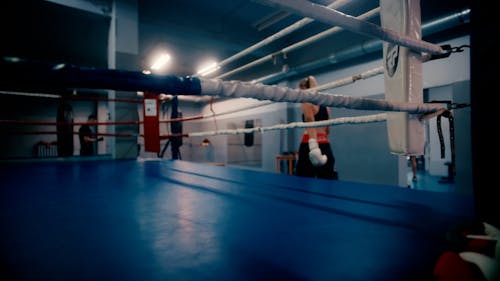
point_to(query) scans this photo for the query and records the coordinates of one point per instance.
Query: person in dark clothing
(88, 137)
(413, 160)
(315, 158)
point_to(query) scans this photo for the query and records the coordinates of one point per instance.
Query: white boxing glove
(487, 265)
(317, 159)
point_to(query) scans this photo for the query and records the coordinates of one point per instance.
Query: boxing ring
(176, 220)
(157, 219)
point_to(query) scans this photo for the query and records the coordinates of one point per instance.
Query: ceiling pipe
(365, 48)
(334, 17)
(298, 45)
(102, 7)
(291, 28)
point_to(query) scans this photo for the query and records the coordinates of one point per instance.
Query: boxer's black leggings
(304, 167)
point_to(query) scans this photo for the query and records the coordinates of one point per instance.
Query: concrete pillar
(123, 49)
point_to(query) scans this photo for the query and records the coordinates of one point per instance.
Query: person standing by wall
(88, 138)
(413, 160)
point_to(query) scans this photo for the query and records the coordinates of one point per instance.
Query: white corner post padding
(403, 76)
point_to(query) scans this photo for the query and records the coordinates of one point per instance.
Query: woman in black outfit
(316, 158)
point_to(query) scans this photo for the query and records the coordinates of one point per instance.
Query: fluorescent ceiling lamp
(208, 68)
(160, 62)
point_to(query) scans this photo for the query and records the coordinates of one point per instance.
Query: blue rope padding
(38, 76)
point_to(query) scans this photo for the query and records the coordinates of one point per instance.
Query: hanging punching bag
(176, 128)
(65, 130)
(248, 139)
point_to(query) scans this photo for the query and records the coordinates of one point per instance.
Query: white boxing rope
(297, 45)
(291, 28)
(351, 79)
(208, 115)
(334, 84)
(238, 89)
(334, 17)
(331, 122)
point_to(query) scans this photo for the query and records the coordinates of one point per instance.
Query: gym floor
(428, 182)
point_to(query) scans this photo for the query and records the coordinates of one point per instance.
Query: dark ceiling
(192, 30)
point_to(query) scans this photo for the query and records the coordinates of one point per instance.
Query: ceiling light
(160, 62)
(208, 68)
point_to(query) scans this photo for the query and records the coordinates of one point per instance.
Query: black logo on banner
(391, 59)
